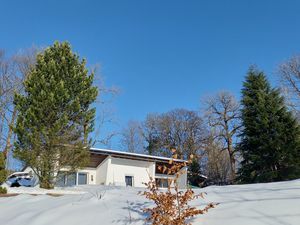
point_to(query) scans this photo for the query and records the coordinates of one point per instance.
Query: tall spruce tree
(55, 115)
(269, 144)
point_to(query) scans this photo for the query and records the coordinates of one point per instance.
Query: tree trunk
(232, 159)
(45, 181)
(9, 136)
(232, 166)
(46, 184)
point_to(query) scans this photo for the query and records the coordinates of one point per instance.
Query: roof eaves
(135, 154)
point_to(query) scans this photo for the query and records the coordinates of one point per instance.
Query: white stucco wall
(112, 171)
(101, 170)
(182, 179)
(91, 174)
(139, 170)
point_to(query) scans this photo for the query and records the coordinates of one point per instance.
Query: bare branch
(222, 112)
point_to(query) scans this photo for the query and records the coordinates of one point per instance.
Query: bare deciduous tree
(217, 162)
(180, 128)
(105, 113)
(223, 114)
(150, 133)
(289, 72)
(13, 72)
(132, 139)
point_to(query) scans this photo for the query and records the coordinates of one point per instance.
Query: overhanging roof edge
(137, 155)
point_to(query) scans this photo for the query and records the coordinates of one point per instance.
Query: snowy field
(256, 204)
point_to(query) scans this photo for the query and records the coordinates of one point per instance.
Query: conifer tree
(194, 173)
(55, 115)
(3, 172)
(269, 144)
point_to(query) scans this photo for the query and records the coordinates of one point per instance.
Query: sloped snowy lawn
(269, 204)
(255, 204)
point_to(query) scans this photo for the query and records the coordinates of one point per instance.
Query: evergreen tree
(3, 172)
(194, 173)
(55, 114)
(269, 144)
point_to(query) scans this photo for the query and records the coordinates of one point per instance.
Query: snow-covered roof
(137, 155)
(19, 173)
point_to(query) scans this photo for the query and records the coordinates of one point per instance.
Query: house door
(129, 180)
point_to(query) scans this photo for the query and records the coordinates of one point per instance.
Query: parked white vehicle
(20, 179)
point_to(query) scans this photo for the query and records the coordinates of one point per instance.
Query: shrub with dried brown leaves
(172, 205)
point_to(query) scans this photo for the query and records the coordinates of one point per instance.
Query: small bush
(172, 206)
(3, 190)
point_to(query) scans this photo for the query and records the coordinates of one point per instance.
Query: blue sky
(161, 54)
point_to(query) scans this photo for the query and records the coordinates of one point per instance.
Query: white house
(110, 167)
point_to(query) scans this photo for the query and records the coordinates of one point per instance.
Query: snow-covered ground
(256, 204)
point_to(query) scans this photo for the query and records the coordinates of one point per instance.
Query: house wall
(101, 171)
(119, 168)
(112, 171)
(91, 174)
(182, 179)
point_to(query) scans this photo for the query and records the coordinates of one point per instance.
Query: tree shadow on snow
(135, 214)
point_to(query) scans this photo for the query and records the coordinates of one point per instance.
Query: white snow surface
(255, 204)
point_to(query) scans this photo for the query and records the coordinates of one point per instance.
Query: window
(129, 180)
(82, 178)
(162, 182)
(71, 179)
(65, 179)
